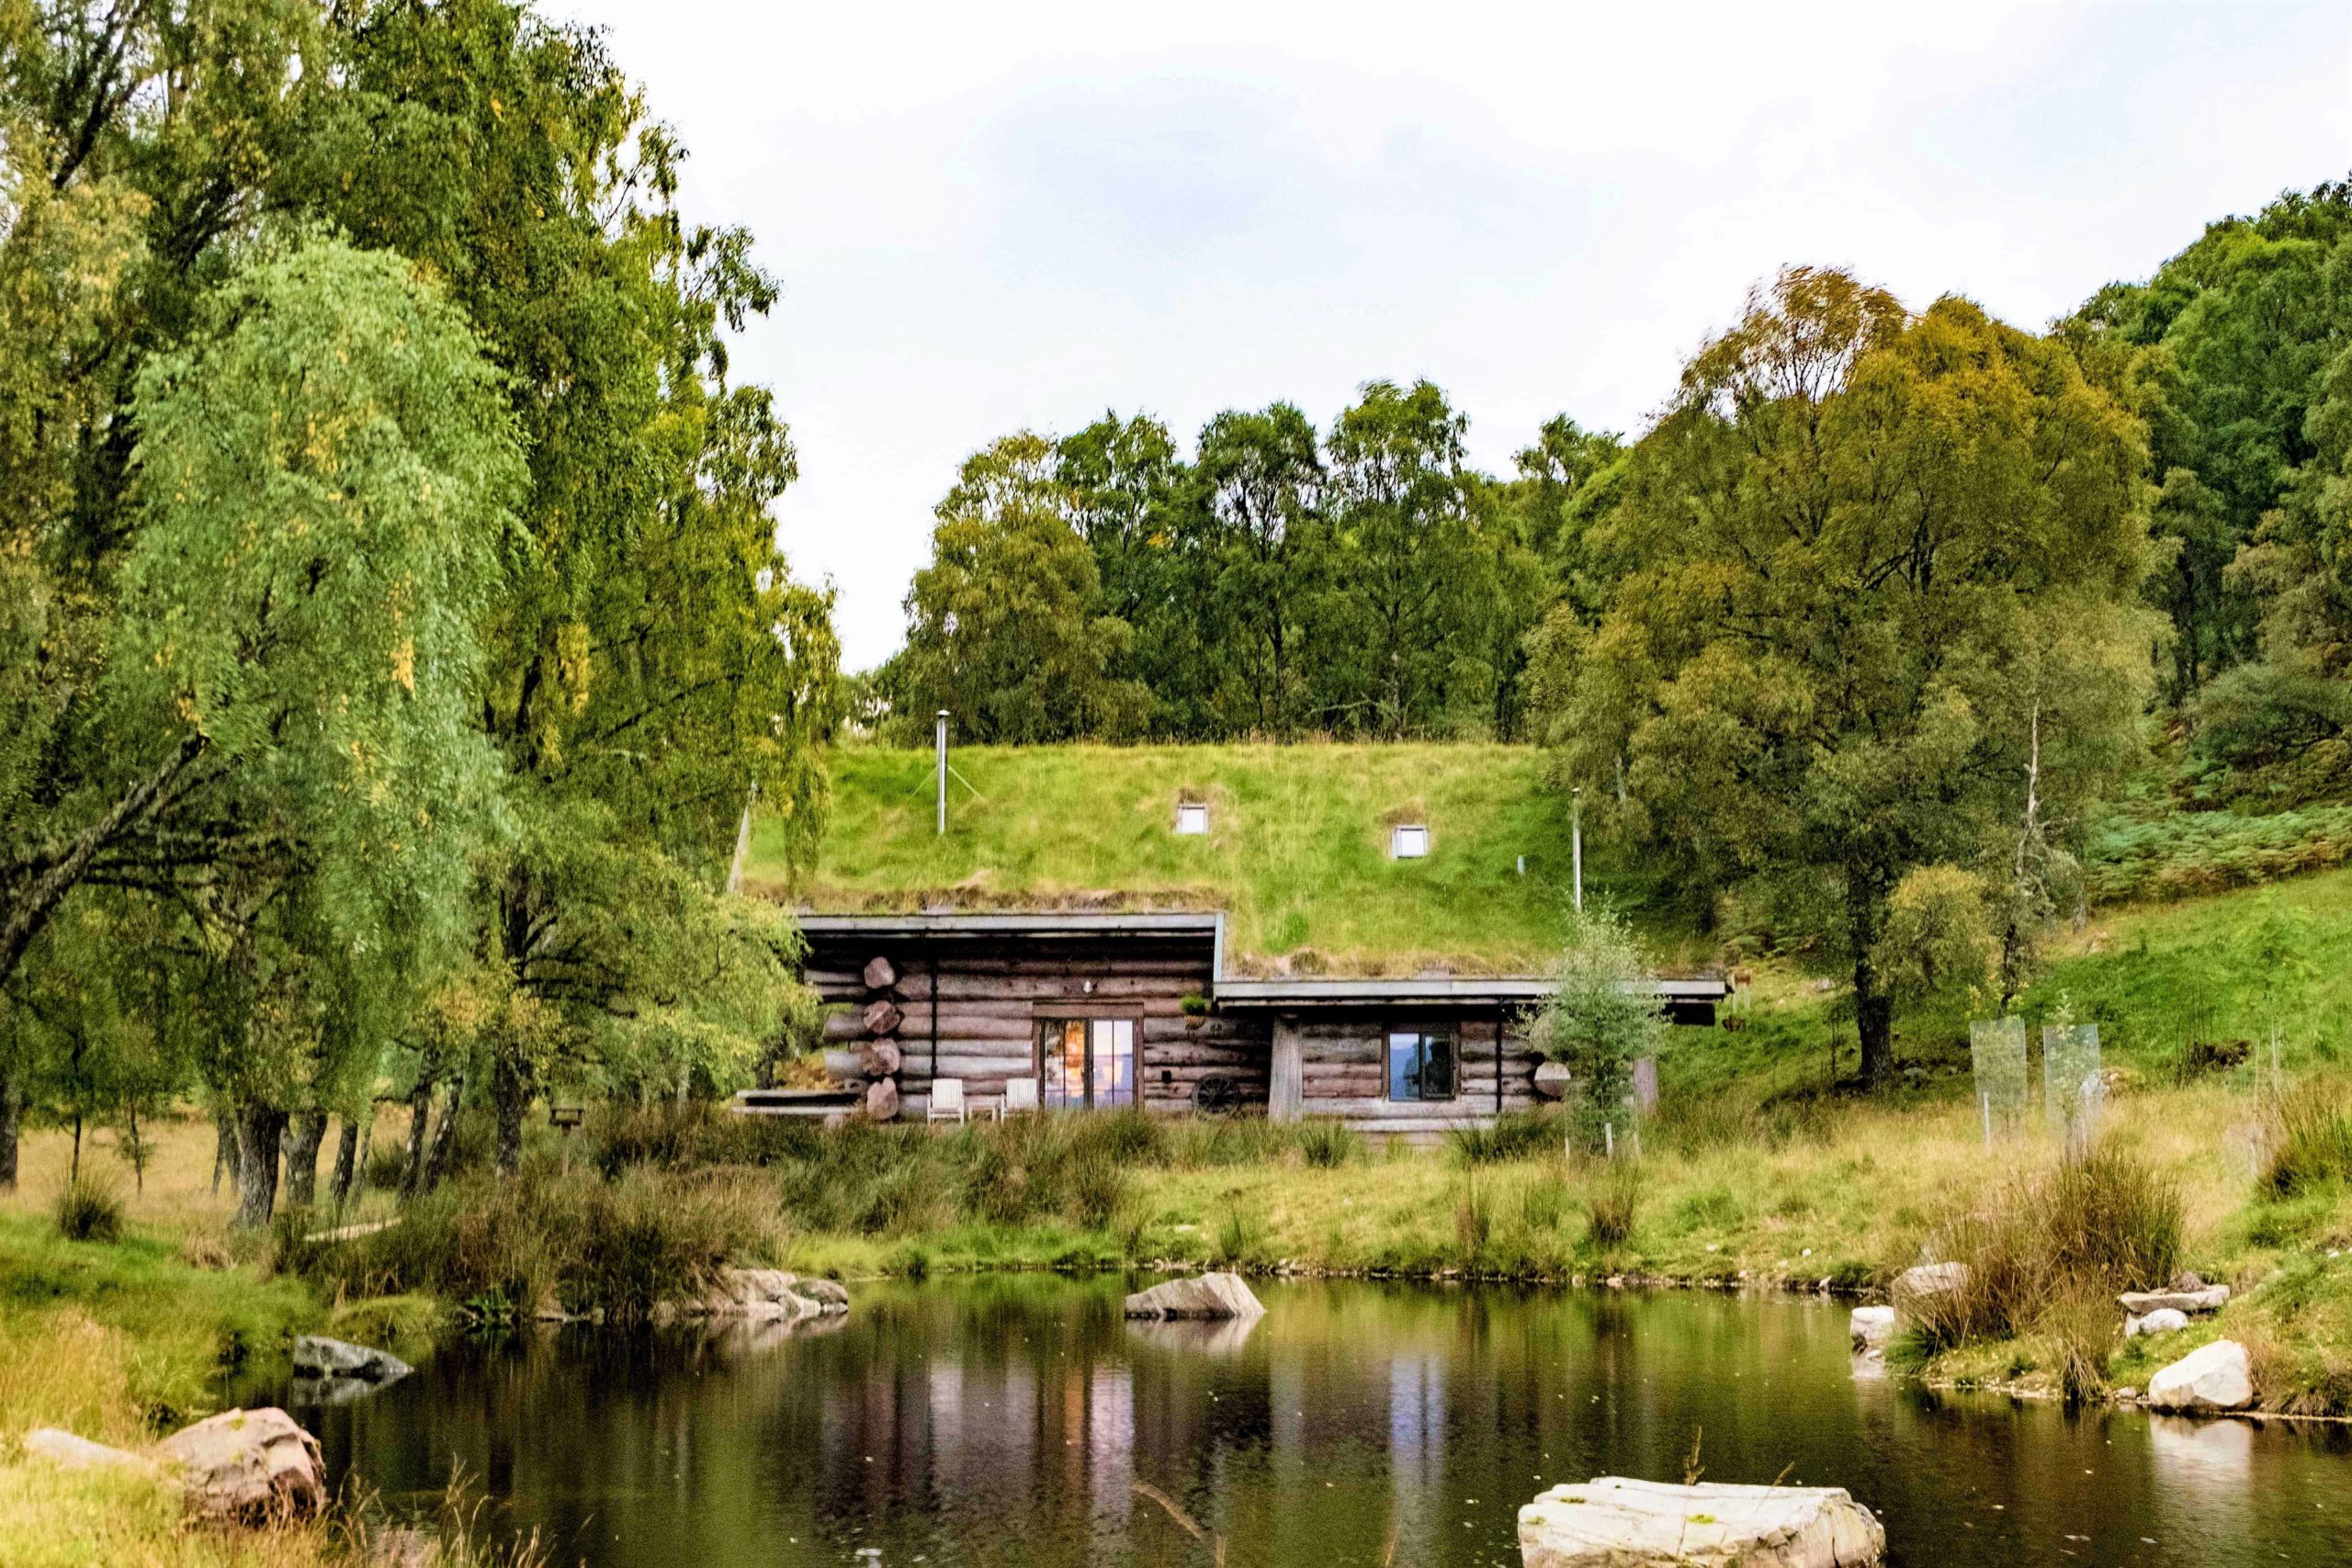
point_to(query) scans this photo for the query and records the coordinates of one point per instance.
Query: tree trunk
(445, 1142)
(420, 1118)
(347, 1159)
(224, 1148)
(1873, 1007)
(260, 1128)
(12, 1110)
(510, 1097)
(305, 1131)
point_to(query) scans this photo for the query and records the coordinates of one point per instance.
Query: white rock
(1612, 1522)
(1207, 1295)
(71, 1452)
(2163, 1320)
(1870, 1327)
(2211, 1377)
(256, 1465)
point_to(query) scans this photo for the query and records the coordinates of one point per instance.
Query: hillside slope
(1296, 851)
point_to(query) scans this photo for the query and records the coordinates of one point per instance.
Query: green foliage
(1613, 1203)
(2311, 1143)
(1601, 1016)
(2131, 859)
(1328, 1143)
(1871, 568)
(1513, 1135)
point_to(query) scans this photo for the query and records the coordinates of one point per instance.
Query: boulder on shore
(68, 1451)
(253, 1465)
(2214, 1377)
(2163, 1320)
(316, 1356)
(2139, 1304)
(1929, 1280)
(1612, 1522)
(1202, 1296)
(769, 1295)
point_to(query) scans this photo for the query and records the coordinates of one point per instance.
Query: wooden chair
(946, 1100)
(1019, 1094)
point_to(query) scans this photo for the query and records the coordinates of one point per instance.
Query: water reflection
(1018, 1421)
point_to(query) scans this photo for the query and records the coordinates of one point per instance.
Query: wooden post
(1287, 1073)
(1575, 839)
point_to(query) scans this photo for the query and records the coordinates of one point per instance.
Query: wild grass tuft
(1613, 1203)
(1513, 1135)
(88, 1208)
(2311, 1140)
(1327, 1143)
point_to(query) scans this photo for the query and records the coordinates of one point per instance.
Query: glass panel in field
(1405, 1065)
(1114, 1060)
(1063, 1061)
(1997, 1050)
(2072, 1089)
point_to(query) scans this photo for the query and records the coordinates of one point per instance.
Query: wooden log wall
(1344, 1064)
(993, 996)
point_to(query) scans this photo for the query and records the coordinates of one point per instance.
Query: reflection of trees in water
(1010, 1421)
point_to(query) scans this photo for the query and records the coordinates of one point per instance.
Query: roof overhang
(1072, 924)
(1444, 990)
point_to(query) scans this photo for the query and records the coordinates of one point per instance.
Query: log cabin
(1103, 1010)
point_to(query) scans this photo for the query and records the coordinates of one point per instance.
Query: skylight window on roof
(1193, 819)
(1408, 840)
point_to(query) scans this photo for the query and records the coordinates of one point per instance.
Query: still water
(1022, 1421)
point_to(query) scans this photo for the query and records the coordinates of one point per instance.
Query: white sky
(994, 216)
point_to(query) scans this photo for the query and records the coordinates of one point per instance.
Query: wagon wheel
(1216, 1095)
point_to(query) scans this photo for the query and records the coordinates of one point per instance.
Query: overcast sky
(992, 217)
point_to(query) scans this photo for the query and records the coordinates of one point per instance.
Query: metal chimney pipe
(1576, 838)
(942, 737)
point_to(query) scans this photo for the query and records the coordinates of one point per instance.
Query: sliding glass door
(1086, 1063)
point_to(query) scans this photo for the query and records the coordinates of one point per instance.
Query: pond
(1021, 1420)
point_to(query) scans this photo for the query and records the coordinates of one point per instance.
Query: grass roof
(1297, 851)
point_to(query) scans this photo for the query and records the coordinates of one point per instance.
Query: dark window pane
(1437, 1066)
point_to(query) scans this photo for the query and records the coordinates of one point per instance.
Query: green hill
(1296, 851)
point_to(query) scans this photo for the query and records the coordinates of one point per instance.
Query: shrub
(2311, 1141)
(87, 1209)
(1514, 1134)
(2043, 1245)
(1327, 1143)
(1611, 1205)
(551, 1234)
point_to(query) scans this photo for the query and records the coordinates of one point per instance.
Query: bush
(88, 1210)
(562, 1236)
(2311, 1143)
(2082, 1233)
(1327, 1143)
(1611, 1205)
(1514, 1134)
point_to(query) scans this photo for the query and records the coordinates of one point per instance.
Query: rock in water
(2213, 1377)
(315, 1356)
(1870, 1327)
(254, 1465)
(1611, 1522)
(1208, 1295)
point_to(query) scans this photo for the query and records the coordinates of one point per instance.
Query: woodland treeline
(1854, 636)
(392, 631)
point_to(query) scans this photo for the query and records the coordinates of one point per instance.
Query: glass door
(1086, 1063)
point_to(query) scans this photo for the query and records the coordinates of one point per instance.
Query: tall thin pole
(942, 737)
(1575, 837)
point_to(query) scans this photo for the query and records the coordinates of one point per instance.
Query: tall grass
(2311, 1140)
(1513, 1135)
(88, 1208)
(2049, 1254)
(1612, 1204)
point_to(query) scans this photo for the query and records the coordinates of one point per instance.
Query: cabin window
(1420, 1065)
(1086, 1063)
(1193, 819)
(1408, 840)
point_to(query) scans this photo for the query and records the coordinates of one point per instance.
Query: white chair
(1019, 1094)
(946, 1100)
